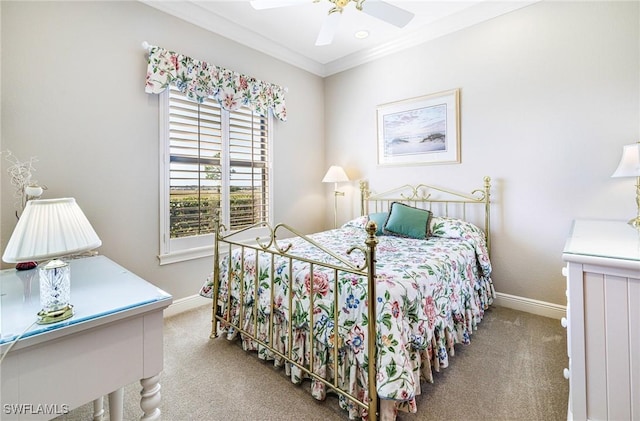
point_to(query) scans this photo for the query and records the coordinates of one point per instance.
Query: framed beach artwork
(423, 130)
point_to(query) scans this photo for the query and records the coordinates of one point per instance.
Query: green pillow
(407, 221)
(379, 218)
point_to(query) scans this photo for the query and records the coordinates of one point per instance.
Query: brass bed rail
(366, 269)
(427, 196)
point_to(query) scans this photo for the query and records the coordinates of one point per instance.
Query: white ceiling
(289, 33)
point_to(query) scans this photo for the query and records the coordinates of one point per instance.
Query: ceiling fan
(376, 8)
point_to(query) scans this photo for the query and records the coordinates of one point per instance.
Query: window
(211, 158)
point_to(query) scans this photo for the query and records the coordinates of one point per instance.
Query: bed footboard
(251, 306)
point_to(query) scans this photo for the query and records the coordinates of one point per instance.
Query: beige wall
(549, 95)
(73, 96)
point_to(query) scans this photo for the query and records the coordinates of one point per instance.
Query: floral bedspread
(430, 295)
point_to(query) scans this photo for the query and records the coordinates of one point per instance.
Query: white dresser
(603, 320)
(114, 338)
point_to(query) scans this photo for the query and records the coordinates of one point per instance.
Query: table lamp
(51, 229)
(335, 175)
(629, 166)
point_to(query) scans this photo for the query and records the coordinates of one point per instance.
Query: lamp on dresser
(51, 229)
(629, 166)
(335, 175)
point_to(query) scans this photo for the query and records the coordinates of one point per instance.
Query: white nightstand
(603, 320)
(113, 339)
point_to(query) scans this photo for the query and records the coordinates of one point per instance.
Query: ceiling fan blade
(329, 28)
(387, 12)
(272, 4)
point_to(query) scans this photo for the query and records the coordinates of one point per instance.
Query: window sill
(184, 255)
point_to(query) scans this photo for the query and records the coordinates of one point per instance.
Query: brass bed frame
(422, 195)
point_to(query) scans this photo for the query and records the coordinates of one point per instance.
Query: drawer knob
(564, 271)
(564, 322)
(566, 373)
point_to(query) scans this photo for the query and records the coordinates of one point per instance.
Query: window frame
(174, 250)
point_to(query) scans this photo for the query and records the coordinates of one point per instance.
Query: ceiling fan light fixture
(379, 9)
(339, 5)
(361, 34)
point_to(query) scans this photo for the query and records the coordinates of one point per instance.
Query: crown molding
(206, 19)
(465, 18)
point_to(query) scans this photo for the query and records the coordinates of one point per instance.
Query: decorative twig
(21, 176)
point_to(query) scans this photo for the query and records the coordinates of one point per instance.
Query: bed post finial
(364, 197)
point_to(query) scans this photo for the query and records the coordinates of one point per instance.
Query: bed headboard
(474, 207)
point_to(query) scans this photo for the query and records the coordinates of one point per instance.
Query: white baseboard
(541, 308)
(184, 304)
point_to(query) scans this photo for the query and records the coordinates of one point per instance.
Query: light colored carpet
(512, 370)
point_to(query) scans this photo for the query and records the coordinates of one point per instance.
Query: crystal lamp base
(46, 317)
(55, 292)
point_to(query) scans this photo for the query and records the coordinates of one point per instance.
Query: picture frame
(422, 130)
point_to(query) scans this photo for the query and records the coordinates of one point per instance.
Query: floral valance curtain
(200, 80)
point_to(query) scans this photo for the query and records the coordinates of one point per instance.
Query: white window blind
(248, 168)
(195, 144)
(214, 158)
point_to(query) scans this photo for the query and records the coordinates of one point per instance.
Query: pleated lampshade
(50, 228)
